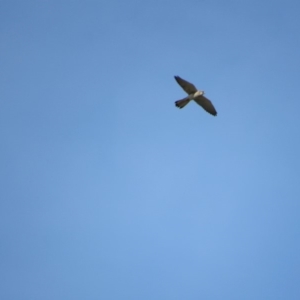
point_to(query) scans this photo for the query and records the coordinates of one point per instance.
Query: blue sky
(111, 192)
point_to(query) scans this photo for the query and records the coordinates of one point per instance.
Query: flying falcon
(194, 94)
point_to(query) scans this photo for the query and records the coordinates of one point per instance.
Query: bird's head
(200, 93)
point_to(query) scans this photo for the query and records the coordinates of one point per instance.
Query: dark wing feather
(187, 86)
(206, 104)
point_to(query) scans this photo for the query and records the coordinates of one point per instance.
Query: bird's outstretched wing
(187, 86)
(206, 104)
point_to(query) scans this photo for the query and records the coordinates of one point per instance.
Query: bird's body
(194, 94)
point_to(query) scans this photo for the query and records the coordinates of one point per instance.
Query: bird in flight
(194, 94)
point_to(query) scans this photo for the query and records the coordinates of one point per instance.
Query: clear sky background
(108, 191)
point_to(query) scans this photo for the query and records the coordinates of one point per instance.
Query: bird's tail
(182, 103)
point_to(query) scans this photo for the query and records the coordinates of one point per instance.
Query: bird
(194, 94)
